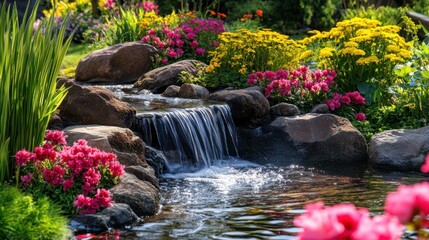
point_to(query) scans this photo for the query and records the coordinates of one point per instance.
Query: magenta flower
(200, 51)
(425, 167)
(360, 117)
(68, 184)
(22, 157)
(55, 138)
(26, 179)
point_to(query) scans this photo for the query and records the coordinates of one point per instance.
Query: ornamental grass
(29, 64)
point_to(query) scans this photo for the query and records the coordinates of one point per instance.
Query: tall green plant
(30, 61)
(125, 27)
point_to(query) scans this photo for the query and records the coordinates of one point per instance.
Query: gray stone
(144, 174)
(193, 91)
(246, 105)
(93, 105)
(402, 149)
(158, 79)
(171, 91)
(320, 108)
(141, 196)
(284, 109)
(156, 160)
(119, 215)
(309, 139)
(120, 63)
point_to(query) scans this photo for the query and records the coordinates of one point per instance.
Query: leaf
(369, 91)
(404, 71)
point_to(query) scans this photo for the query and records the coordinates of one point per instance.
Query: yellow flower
(367, 60)
(393, 48)
(326, 52)
(351, 51)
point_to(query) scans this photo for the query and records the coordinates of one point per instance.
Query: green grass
(72, 58)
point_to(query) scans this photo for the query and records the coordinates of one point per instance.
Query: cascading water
(191, 137)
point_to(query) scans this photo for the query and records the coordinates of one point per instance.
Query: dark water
(238, 200)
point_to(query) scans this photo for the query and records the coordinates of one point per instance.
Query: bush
(75, 177)
(21, 217)
(243, 52)
(28, 73)
(363, 53)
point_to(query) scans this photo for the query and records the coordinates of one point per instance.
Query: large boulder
(309, 139)
(140, 195)
(403, 149)
(120, 63)
(246, 105)
(171, 91)
(158, 79)
(194, 91)
(284, 109)
(138, 186)
(93, 105)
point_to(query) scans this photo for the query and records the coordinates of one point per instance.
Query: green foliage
(125, 27)
(29, 64)
(21, 217)
(247, 24)
(292, 15)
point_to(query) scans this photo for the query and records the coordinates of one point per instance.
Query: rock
(120, 63)
(128, 147)
(89, 222)
(257, 88)
(55, 122)
(144, 174)
(93, 105)
(118, 215)
(403, 149)
(309, 139)
(320, 108)
(171, 91)
(284, 109)
(246, 105)
(193, 91)
(156, 160)
(140, 195)
(158, 79)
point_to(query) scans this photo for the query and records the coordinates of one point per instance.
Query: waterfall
(191, 137)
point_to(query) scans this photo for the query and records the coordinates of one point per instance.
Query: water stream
(218, 196)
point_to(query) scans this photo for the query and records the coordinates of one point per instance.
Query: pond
(239, 200)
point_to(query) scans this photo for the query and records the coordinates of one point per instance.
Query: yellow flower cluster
(151, 20)
(359, 49)
(61, 8)
(243, 51)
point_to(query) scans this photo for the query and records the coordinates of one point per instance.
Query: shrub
(242, 52)
(191, 39)
(76, 175)
(363, 53)
(22, 217)
(28, 73)
(301, 87)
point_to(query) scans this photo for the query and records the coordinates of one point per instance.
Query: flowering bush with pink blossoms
(346, 105)
(301, 87)
(407, 208)
(192, 39)
(75, 176)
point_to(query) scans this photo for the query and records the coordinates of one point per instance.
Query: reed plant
(30, 60)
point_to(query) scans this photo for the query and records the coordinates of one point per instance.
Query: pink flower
(194, 44)
(103, 197)
(171, 53)
(82, 201)
(190, 35)
(117, 169)
(26, 179)
(146, 38)
(360, 117)
(379, 227)
(91, 176)
(164, 61)
(346, 100)
(68, 184)
(151, 32)
(425, 167)
(54, 176)
(179, 43)
(55, 138)
(22, 157)
(270, 75)
(109, 4)
(200, 51)
(150, 6)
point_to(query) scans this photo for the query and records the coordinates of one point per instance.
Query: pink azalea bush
(346, 104)
(75, 176)
(301, 87)
(407, 207)
(192, 39)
